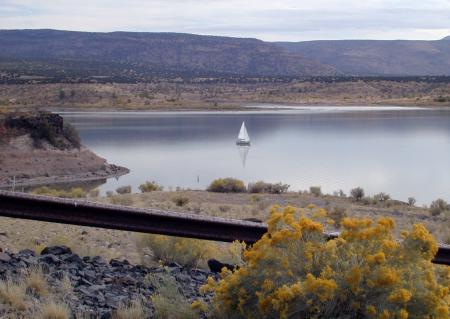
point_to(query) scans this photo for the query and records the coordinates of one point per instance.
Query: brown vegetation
(217, 96)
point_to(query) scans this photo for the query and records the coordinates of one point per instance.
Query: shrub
(134, 310)
(121, 200)
(94, 193)
(338, 214)
(315, 190)
(339, 193)
(168, 300)
(184, 251)
(36, 282)
(188, 252)
(54, 310)
(13, 293)
(180, 200)
(123, 189)
(148, 187)
(411, 201)
(293, 272)
(381, 197)
(65, 286)
(227, 185)
(270, 188)
(62, 94)
(44, 130)
(439, 206)
(447, 240)
(357, 193)
(75, 192)
(71, 134)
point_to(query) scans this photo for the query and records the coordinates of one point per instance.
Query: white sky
(275, 20)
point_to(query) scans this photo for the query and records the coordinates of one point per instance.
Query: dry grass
(65, 287)
(188, 252)
(36, 282)
(225, 95)
(55, 310)
(13, 293)
(168, 301)
(134, 310)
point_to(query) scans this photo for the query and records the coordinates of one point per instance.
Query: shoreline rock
(100, 287)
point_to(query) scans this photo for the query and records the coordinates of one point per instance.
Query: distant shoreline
(66, 179)
(221, 96)
(252, 109)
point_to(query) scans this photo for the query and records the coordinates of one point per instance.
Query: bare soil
(23, 164)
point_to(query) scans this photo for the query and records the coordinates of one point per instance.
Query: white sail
(243, 135)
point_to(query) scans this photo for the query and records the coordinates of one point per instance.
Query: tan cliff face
(30, 154)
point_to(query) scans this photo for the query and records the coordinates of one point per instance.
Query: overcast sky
(272, 20)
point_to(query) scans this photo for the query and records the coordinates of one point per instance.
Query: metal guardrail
(84, 213)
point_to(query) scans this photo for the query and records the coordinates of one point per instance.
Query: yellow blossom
(371, 310)
(379, 258)
(403, 314)
(386, 277)
(199, 305)
(354, 278)
(385, 314)
(400, 296)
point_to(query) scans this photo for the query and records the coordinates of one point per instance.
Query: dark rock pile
(100, 287)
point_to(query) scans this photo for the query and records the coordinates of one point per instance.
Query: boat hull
(247, 143)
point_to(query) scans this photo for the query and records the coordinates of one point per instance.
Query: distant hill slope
(134, 56)
(153, 52)
(369, 57)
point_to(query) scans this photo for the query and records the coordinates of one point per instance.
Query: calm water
(401, 152)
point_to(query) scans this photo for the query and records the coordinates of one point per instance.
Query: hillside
(40, 149)
(368, 57)
(51, 56)
(132, 54)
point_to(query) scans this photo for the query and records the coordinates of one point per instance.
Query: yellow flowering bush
(294, 272)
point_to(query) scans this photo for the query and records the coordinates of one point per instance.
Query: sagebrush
(293, 272)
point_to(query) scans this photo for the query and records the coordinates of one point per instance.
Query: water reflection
(243, 152)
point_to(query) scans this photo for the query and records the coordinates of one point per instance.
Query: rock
(173, 265)
(216, 266)
(30, 261)
(25, 253)
(125, 281)
(56, 250)
(106, 315)
(50, 259)
(99, 287)
(251, 219)
(4, 257)
(73, 258)
(118, 263)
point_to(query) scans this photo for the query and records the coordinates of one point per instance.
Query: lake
(403, 152)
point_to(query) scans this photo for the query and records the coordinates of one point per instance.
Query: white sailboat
(243, 138)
